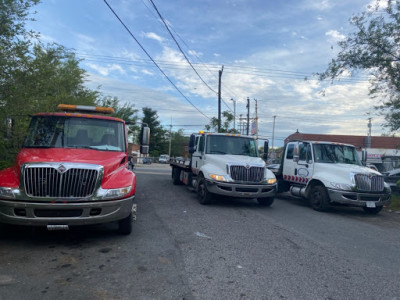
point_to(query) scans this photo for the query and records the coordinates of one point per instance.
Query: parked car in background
(164, 159)
(147, 160)
(391, 178)
(274, 167)
(373, 167)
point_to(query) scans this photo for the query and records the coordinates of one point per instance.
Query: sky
(266, 50)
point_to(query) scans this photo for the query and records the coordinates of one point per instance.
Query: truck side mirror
(144, 149)
(364, 156)
(192, 146)
(265, 155)
(145, 135)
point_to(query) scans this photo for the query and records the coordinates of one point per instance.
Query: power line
(179, 47)
(246, 70)
(144, 50)
(183, 53)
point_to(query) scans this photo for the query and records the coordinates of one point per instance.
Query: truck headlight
(117, 193)
(271, 180)
(217, 177)
(342, 186)
(6, 192)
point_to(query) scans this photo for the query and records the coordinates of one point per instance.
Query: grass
(395, 204)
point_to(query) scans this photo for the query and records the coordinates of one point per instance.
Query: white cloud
(335, 36)
(106, 70)
(153, 36)
(321, 5)
(147, 72)
(377, 5)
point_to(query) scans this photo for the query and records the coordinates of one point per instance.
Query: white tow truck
(329, 173)
(226, 165)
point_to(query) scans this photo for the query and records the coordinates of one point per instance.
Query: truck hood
(341, 168)
(339, 173)
(110, 160)
(222, 160)
(216, 164)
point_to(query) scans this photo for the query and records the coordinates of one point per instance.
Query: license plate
(57, 227)
(371, 204)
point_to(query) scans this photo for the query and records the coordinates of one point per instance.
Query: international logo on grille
(61, 169)
(247, 167)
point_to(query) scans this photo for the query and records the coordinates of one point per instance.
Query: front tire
(204, 196)
(265, 201)
(319, 199)
(125, 225)
(373, 210)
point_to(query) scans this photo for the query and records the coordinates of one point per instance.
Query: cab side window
(305, 152)
(289, 152)
(201, 144)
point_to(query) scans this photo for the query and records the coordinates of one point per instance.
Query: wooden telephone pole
(219, 98)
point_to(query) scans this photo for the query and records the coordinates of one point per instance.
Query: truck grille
(48, 182)
(248, 174)
(369, 183)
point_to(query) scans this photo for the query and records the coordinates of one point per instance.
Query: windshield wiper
(217, 152)
(37, 146)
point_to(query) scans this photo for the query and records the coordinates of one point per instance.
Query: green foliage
(158, 141)
(36, 78)
(374, 47)
(178, 141)
(226, 120)
(126, 112)
(33, 77)
(395, 203)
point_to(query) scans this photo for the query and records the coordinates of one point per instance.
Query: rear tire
(176, 176)
(204, 196)
(319, 199)
(265, 201)
(125, 225)
(373, 210)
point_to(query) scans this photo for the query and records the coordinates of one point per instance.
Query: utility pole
(369, 133)
(170, 138)
(219, 98)
(256, 121)
(240, 124)
(273, 135)
(248, 115)
(234, 114)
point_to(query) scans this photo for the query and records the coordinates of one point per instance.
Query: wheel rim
(317, 198)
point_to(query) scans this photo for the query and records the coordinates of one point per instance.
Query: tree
(374, 47)
(33, 77)
(158, 140)
(126, 112)
(47, 77)
(228, 118)
(178, 140)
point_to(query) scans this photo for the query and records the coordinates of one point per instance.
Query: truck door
(298, 163)
(289, 163)
(305, 164)
(197, 156)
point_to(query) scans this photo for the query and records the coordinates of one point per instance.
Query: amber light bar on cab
(83, 108)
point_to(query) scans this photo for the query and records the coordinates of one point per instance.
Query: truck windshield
(330, 153)
(73, 132)
(224, 144)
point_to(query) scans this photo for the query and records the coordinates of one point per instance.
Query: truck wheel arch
(203, 195)
(310, 186)
(318, 197)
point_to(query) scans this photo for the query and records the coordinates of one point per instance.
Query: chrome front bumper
(241, 190)
(71, 214)
(358, 199)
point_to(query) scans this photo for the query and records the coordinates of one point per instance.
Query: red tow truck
(72, 170)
